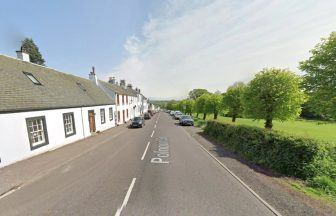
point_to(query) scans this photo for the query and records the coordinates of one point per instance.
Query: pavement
(156, 170)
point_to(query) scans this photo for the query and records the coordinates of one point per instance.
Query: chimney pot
(123, 83)
(23, 55)
(129, 86)
(112, 80)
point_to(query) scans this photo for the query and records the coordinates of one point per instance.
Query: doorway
(92, 122)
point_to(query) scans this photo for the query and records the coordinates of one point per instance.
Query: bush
(324, 183)
(288, 155)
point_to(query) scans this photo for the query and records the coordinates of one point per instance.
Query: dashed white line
(155, 126)
(152, 133)
(144, 154)
(128, 194)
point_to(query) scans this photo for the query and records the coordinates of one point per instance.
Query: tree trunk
(234, 118)
(204, 116)
(268, 124)
(215, 115)
(197, 115)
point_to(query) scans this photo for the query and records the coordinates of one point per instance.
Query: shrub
(292, 156)
(324, 183)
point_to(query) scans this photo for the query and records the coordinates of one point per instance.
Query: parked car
(177, 115)
(172, 112)
(137, 122)
(151, 112)
(147, 116)
(186, 120)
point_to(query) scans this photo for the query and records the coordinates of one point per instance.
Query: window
(69, 124)
(126, 99)
(37, 132)
(118, 116)
(127, 113)
(123, 99)
(117, 99)
(102, 116)
(32, 78)
(80, 86)
(111, 113)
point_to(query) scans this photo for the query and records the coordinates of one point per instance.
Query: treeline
(275, 93)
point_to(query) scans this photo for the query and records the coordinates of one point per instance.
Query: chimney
(93, 76)
(23, 55)
(112, 80)
(129, 86)
(138, 90)
(123, 83)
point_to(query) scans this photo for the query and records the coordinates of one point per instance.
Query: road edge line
(238, 179)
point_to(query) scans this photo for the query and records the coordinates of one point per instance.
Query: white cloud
(213, 43)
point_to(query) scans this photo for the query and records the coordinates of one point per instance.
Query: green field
(307, 128)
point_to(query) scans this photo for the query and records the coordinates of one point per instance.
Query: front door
(92, 121)
(124, 116)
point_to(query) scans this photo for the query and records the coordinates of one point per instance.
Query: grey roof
(118, 89)
(58, 90)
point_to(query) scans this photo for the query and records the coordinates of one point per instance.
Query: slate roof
(58, 89)
(118, 89)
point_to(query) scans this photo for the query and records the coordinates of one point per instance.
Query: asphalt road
(155, 170)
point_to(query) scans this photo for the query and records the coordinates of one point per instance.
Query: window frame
(101, 120)
(73, 124)
(45, 132)
(31, 77)
(111, 113)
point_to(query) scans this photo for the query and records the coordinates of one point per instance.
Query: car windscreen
(185, 117)
(137, 119)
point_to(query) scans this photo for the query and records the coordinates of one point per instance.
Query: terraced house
(129, 102)
(42, 109)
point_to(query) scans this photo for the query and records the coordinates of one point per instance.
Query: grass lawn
(307, 128)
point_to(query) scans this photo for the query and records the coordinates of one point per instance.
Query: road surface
(155, 170)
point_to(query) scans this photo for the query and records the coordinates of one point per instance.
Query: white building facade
(42, 109)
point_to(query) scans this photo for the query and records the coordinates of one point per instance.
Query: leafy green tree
(31, 48)
(273, 94)
(196, 93)
(202, 104)
(233, 99)
(320, 78)
(213, 104)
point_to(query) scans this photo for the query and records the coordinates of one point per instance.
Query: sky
(168, 47)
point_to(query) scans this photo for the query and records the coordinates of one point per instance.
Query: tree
(233, 100)
(201, 105)
(30, 47)
(320, 78)
(273, 94)
(213, 104)
(196, 93)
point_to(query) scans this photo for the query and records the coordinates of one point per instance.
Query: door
(92, 122)
(124, 116)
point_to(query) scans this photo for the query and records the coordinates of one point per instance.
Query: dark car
(186, 120)
(147, 116)
(137, 122)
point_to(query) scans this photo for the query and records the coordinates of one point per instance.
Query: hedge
(292, 156)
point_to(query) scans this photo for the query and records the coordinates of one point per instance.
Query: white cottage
(42, 109)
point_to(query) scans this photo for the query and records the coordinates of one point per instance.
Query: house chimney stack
(112, 80)
(129, 86)
(93, 77)
(123, 83)
(23, 55)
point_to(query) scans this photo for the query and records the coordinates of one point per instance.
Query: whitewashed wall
(15, 146)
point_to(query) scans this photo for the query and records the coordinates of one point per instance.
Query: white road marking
(155, 126)
(152, 133)
(144, 154)
(275, 212)
(128, 194)
(10, 191)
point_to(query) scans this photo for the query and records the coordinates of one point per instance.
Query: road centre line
(144, 154)
(128, 194)
(275, 212)
(152, 133)
(155, 126)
